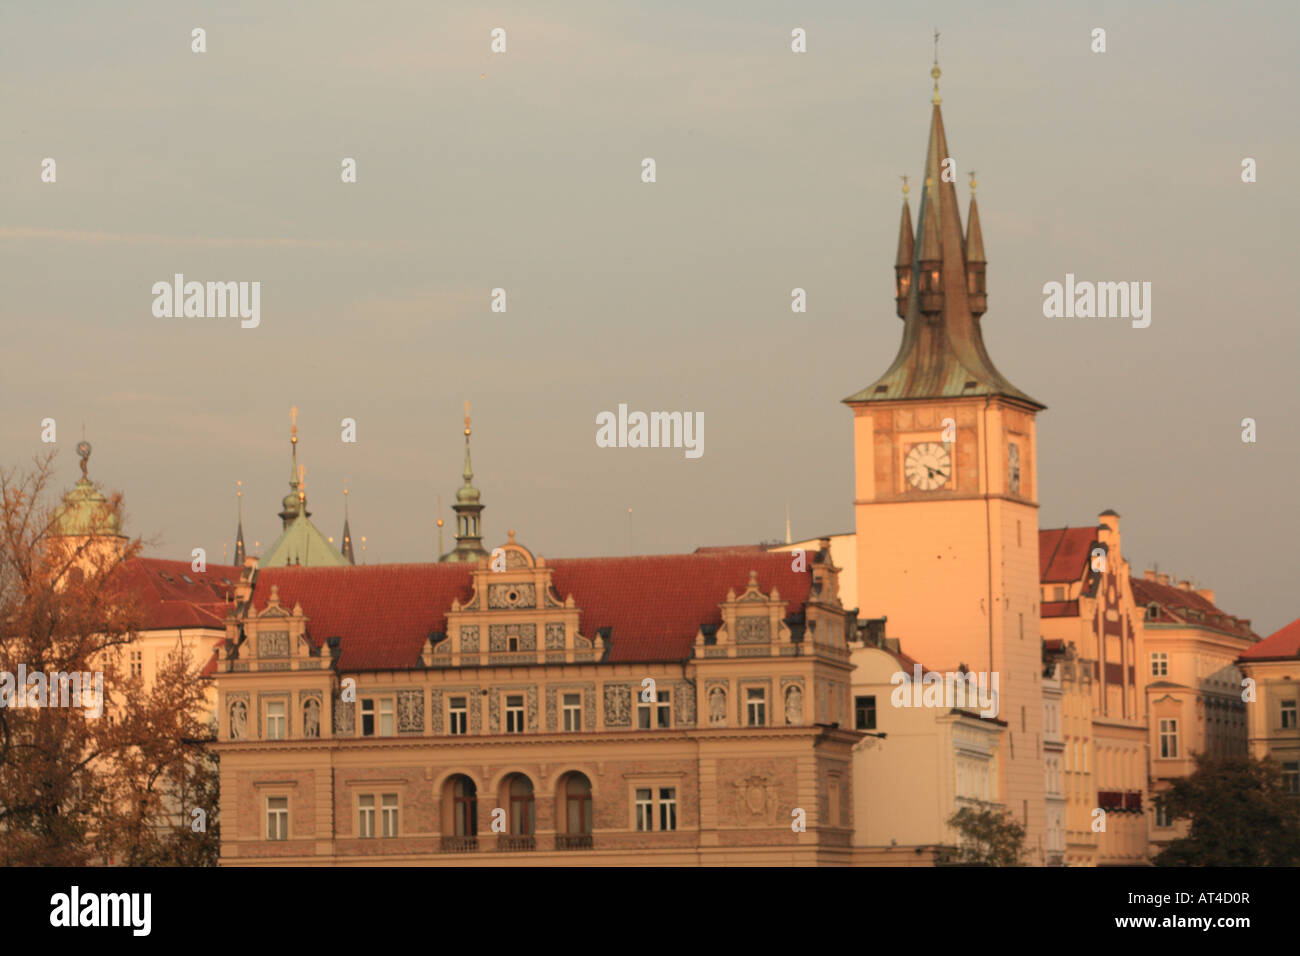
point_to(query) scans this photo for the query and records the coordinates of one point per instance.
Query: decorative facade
(679, 709)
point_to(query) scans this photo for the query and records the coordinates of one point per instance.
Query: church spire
(903, 261)
(347, 531)
(942, 354)
(975, 264)
(469, 510)
(295, 501)
(239, 531)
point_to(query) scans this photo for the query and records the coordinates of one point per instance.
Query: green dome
(85, 511)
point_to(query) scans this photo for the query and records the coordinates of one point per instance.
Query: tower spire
(903, 261)
(347, 531)
(975, 264)
(294, 503)
(936, 72)
(239, 530)
(469, 510)
(942, 353)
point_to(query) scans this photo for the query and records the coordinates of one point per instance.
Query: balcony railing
(508, 843)
(573, 841)
(459, 844)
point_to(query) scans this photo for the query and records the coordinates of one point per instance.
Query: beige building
(1193, 683)
(920, 764)
(1089, 617)
(1273, 730)
(675, 709)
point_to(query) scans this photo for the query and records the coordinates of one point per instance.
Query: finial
(83, 451)
(239, 497)
(302, 482)
(936, 72)
(293, 422)
(972, 182)
(906, 188)
(466, 418)
(345, 499)
(511, 535)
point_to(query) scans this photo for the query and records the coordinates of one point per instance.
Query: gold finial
(439, 511)
(972, 182)
(239, 493)
(511, 534)
(466, 418)
(293, 422)
(302, 482)
(936, 72)
(906, 188)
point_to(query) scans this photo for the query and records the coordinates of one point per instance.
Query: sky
(522, 171)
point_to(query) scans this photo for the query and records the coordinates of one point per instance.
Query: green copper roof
(941, 355)
(302, 543)
(85, 511)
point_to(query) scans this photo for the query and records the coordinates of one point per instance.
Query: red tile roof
(1179, 606)
(1283, 644)
(1063, 553)
(171, 595)
(654, 604)
(1060, 609)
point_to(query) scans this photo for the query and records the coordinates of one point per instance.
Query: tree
(989, 837)
(1240, 813)
(80, 783)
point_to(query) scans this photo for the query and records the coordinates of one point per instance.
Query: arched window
(523, 815)
(465, 807)
(577, 805)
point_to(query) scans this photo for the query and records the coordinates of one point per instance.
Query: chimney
(1185, 585)
(1162, 578)
(1108, 534)
(1207, 593)
(1149, 574)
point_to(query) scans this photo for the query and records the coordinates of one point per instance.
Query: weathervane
(83, 449)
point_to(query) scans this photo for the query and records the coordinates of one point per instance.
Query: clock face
(927, 466)
(1013, 468)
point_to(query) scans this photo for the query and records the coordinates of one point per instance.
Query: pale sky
(522, 171)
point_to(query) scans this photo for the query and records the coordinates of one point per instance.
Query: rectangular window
(1164, 819)
(512, 642)
(1291, 778)
(664, 709)
(864, 713)
(644, 808)
(1058, 594)
(1159, 664)
(667, 808)
(515, 714)
(366, 816)
(572, 712)
(1168, 737)
(376, 716)
(656, 808)
(277, 818)
(388, 815)
(756, 706)
(458, 715)
(1288, 715)
(137, 663)
(275, 720)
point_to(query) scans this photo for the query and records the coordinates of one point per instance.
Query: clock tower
(946, 485)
